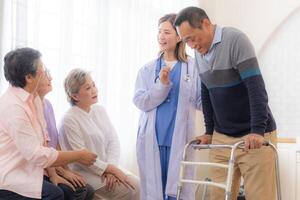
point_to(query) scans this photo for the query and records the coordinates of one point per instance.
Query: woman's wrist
(52, 173)
(60, 171)
(78, 154)
(110, 169)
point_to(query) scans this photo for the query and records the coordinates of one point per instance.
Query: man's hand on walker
(204, 139)
(253, 141)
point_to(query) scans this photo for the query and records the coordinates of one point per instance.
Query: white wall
(257, 18)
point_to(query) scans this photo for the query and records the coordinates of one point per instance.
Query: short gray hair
(19, 63)
(75, 79)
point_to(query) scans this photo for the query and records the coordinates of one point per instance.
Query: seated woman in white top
(87, 126)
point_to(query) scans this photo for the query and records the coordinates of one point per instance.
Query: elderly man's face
(198, 39)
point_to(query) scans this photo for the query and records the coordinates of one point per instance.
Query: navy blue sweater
(234, 97)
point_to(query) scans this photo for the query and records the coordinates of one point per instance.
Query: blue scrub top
(166, 111)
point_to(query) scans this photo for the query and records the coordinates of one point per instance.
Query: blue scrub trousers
(164, 164)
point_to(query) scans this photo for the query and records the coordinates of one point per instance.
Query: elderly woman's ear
(74, 97)
(29, 78)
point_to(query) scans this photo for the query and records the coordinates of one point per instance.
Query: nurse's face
(88, 93)
(167, 37)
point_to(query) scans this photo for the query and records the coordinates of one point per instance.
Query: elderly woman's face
(34, 82)
(88, 93)
(45, 85)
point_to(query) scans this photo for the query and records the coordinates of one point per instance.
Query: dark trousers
(81, 193)
(49, 192)
(52, 192)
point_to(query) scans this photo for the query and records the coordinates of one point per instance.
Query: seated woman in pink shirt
(24, 154)
(72, 184)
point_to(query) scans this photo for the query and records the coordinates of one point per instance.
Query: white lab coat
(149, 95)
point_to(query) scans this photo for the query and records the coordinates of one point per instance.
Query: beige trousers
(257, 167)
(120, 192)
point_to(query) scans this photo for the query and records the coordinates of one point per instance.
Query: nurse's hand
(204, 139)
(164, 75)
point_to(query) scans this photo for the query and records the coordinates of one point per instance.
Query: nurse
(167, 91)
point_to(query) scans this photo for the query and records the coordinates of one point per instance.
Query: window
(112, 39)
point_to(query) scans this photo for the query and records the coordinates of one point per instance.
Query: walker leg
(205, 189)
(277, 171)
(179, 188)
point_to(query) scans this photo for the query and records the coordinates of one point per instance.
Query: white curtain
(112, 39)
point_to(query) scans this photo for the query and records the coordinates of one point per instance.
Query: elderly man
(235, 103)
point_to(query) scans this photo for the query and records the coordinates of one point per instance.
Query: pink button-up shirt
(22, 136)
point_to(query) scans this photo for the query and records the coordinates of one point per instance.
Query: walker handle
(196, 145)
(241, 145)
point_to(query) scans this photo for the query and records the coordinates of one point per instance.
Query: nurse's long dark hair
(180, 53)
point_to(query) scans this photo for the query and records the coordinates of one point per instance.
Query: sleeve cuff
(99, 167)
(258, 131)
(52, 156)
(209, 130)
(42, 156)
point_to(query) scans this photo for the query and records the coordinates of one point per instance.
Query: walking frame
(229, 166)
